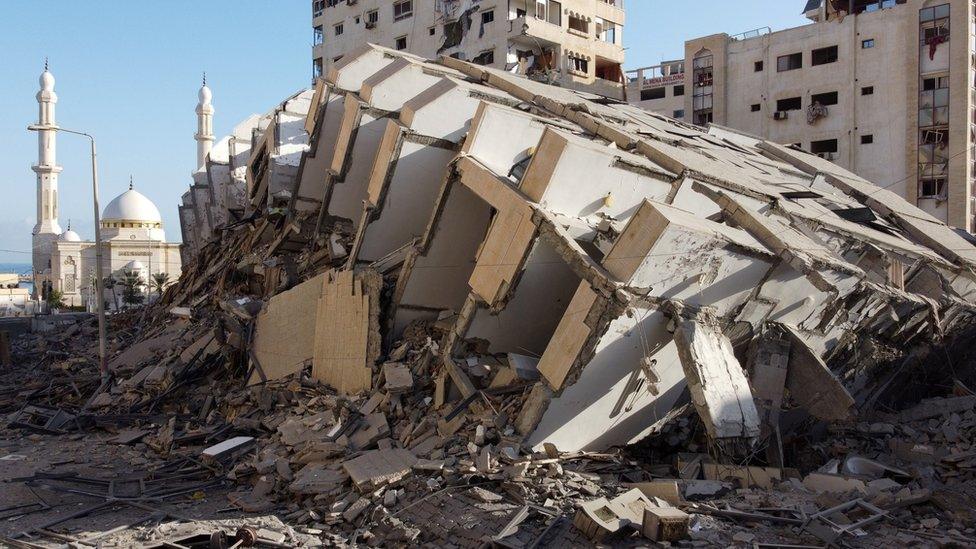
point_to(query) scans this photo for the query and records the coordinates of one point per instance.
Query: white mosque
(132, 229)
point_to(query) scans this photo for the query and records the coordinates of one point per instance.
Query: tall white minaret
(205, 112)
(47, 229)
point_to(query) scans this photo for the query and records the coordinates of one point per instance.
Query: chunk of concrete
(379, 468)
(719, 388)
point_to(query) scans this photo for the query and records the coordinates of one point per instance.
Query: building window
(402, 10)
(679, 90)
(555, 15)
(824, 56)
(485, 58)
(317, 35)
(756, 107)
(317, 67)
(339, 29)
(432, 31)
(372, 18)
(318, 6)
(702, 93)
(825, 99)
(759, 66)
(867, 139)
(825, 147)
(606, 31)
(653, 93)
(934, 29)
(789, 104)
(401, 43)
(789, 62)
(933, 188)
(866, 44)
(578, 64)
(933, 137)
(933, 102)
(336, 59)
(680, 113)
(487, 17)
(867, 90)
(579, 24)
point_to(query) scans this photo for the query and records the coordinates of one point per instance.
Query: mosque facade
(133, 237)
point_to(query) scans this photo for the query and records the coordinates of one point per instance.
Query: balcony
(533, 33)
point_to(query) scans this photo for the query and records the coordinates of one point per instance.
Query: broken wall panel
(436, 276)
(313, 177)
(346, 327)
(445, 110)
(529, 319)
(407, 176)
(284, 333)
(570, 336)
(616, 181)
(510, 234)
(679, 256)
(611, 401)
(501, 137)
(360, 134)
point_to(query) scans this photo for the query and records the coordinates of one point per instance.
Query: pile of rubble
(433, 302)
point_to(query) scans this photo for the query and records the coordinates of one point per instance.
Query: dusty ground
(92, 455)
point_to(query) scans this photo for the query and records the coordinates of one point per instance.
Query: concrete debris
(432, 303)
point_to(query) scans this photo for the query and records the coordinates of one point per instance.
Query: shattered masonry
(620, 261)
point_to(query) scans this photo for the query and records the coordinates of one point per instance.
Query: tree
(132, 285)
(109, 284)
(159, 280)
(55, 299)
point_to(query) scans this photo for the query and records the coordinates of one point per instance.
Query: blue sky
(128, 72)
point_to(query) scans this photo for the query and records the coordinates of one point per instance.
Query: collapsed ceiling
(618, 262)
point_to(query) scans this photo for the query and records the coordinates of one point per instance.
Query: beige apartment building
(881, 87)
(572, 43)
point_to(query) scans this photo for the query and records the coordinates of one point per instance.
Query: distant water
(18, 268)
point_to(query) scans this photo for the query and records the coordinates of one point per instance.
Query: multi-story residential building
(881, 87)
(573, 43)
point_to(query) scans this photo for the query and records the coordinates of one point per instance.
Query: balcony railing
(657, 75)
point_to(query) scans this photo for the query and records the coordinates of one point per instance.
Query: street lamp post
(99, 292)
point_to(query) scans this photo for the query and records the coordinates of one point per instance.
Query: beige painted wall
(889, 115)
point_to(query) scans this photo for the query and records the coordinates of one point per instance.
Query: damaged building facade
(571, 43)
(612, 264)
(881, 88)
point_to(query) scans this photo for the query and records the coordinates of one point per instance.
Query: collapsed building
(614, 262)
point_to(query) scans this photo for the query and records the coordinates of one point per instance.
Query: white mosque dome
(132, 206)
(135, 266)
(47, 81)
(69, 236)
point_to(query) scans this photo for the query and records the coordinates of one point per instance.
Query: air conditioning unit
(827, 156)
(781, 115)
(370, 25)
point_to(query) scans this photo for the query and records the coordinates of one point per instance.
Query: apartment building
(881, 87)
(573, 43)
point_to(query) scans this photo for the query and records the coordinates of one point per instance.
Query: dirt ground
(25, 508)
